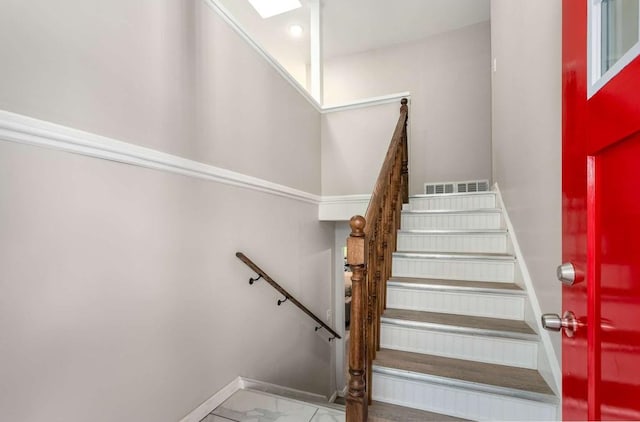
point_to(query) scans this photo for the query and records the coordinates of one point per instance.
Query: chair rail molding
(26, 130)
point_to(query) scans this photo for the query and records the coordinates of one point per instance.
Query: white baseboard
(241, 383)
(281, 391)
(547, 346)
(214, 401)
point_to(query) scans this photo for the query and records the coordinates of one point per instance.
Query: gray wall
(526, 38)
(449, 78)
(162, 74)
(354, 144)
(121, 298)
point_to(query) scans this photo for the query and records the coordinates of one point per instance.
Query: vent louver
(456, 187)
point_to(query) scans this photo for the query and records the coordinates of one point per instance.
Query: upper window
(614, 35)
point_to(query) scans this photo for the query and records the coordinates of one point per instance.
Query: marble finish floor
(257, 406)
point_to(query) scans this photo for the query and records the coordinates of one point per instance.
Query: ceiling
(353, 26)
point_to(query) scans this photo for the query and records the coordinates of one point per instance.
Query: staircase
(453, 339)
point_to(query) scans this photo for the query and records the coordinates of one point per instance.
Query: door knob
(568, 274)
(553, 322)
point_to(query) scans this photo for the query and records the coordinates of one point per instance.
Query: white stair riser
(485, 243)
(453, 221)
(454, 202)
(459, 303)
(454, 269)
(460, 402)
(497, 350)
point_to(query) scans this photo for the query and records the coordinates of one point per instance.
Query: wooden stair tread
(385, 412)
(476, 372)
(473, 322)
(458, 283)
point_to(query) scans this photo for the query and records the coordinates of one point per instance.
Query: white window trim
(596, 80)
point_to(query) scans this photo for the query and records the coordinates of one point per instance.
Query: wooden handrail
(370, 247)
(285, 293)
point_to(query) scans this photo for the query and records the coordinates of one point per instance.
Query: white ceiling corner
(354, 26)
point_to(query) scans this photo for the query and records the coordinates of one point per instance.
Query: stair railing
(369, 251)
(287, 296)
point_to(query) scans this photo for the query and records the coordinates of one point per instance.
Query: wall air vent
(456, 187)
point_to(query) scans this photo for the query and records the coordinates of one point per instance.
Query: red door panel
(601, 233)
(574, 201)
(618, 260)
(616, 116)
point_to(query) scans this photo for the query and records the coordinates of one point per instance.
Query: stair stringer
(548, 364)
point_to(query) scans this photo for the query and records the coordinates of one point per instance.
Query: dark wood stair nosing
(469, 385)
(487, 377)
(453, 329)
(487, 287)
(469, 324)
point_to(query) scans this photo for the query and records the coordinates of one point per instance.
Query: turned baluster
(405, 155)
(356, 399)
(369, 254)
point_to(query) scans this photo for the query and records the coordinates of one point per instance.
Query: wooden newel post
(356, 398)
(405, 155)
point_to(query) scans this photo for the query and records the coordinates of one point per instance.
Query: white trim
(594, 44)
(368, 102)
(241, 383)
(346, 198)
(533, 299)
(342, 207)
(214, 401)
(343, 393)
(26, 130)
(333, 397)
(279, 390)
(625, 60)
(315, 47)
(235, 25)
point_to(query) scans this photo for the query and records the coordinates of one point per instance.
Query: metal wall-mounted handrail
(287, 296)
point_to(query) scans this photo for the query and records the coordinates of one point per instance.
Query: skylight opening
(269, 8)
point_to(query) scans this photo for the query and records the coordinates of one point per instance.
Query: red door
(601, 228)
